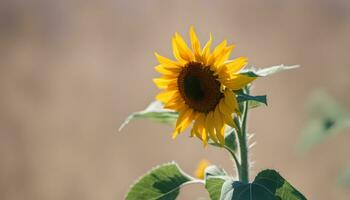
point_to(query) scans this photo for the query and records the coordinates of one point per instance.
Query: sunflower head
(200, 85)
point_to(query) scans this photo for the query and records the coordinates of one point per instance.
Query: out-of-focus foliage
(326, 117)
(344, 179)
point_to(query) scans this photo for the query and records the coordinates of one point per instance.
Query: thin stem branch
(238, 165)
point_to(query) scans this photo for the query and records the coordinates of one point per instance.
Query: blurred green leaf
(268, 185)
(326, 117)
(154, 112)
(161, 183)
(253, 101)
(344, 178)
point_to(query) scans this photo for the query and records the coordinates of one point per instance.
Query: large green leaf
(214, 178)
(253, 72)
(161, 183)
(267, 185)
(154, 112)
(326, 118)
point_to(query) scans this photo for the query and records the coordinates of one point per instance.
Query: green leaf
(253, 101)
(253, 72)
(154, 112)
(161, 183)
(230, 140)
(213, 186)
(214, 171)
(214, 178)
(267, 185)
(326, 118)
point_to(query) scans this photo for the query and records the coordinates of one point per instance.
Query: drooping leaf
(267, 185)
(253, 72)
(326, 118)
(214, 171)
(214, 178)
(253, 101)
(161, 183)
(230, 140)
(213, 186)
(154, 112)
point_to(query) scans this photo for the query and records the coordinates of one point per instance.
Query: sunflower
(200, 85)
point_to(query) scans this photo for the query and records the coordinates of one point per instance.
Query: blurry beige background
(71, 71)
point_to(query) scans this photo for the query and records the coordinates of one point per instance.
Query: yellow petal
(166, 61)
(176, 52)
(171, 73)
(239, 81)
(183, 49)
(206, 50)
(217, 51)
(236, 65)
(194, 130)
(218, 126)
(229, 120)
(175, 103)
(224, 108)
(230, 100)
(221, 58)
(209, 126)
(183, 121)
(175, 106)
(198, 126)
(222, 134)
(165, 96)
(163, 83)
(196, 46)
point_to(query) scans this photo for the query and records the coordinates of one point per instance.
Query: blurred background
(71, 71)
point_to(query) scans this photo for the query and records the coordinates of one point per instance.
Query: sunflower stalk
(243, 169)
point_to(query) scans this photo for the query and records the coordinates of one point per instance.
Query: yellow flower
(203, 164)
(200, 85)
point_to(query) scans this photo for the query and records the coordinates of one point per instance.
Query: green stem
(242, 137)
(238, 166)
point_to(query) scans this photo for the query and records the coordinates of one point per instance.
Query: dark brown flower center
(199, 88)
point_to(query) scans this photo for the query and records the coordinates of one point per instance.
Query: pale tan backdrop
(71, 71)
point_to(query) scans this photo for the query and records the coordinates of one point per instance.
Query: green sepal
(267, 185)
(154, 112)
(161, 183)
